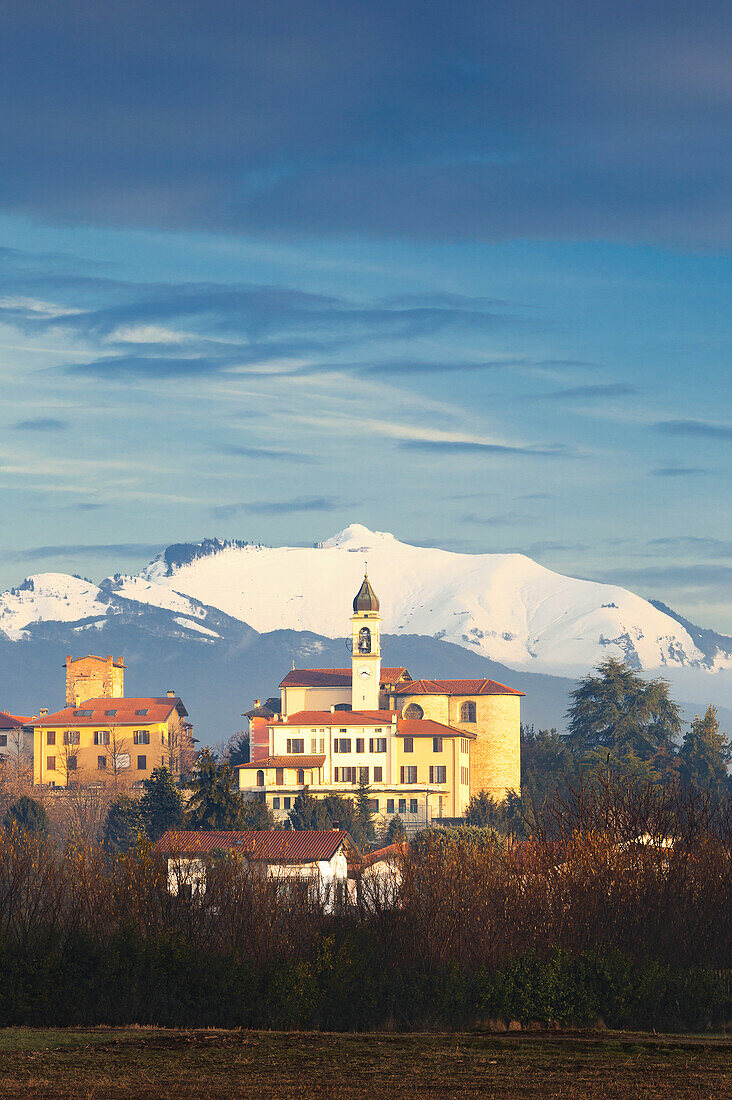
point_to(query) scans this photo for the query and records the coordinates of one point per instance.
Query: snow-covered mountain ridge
(505, 607)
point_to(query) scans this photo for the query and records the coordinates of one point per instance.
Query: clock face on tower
(364, 672)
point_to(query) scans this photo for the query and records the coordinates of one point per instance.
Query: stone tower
(93, 678)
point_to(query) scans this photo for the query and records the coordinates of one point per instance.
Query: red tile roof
(454, 687)
(278, 846)
(336, 677)
(12, 721)
(392, 851)
(425, 727)
(337, 718)
(158, 710)
(285, 762)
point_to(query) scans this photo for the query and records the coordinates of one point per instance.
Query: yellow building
(107, 739)
(424, 747)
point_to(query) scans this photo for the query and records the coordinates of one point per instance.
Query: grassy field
(142, 1062)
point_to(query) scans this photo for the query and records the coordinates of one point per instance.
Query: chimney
(171, 693)
(43, 712)
(257, 702)
(332, 709)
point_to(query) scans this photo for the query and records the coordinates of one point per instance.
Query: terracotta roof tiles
(290, 761)
(454, 687)
(114, 712)
(277, 846)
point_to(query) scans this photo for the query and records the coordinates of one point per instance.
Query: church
(423, 746)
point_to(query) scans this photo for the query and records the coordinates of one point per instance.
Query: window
(287, 803)
(343, 706)
(141, 763)
(464, 745)
(363, 775)
(300, 776)
(51, 738)
(414, 710)
(467, 712)
(438, 773)
(364, 640)
(275, 802)
(71, 737)
(101, 737)
(51, 763)
(348, 775)
(409, 775)
(110, 714)
(141, 737)
(102, 763)
(437, 744)
(3, 740)
(377, 744)
(143, 710)
(374, 805)
(409, 744)
(260, 779)
(313, 745)
(71, 763)
(464, 776)
(83, 713)
(342, 744)
(413, 805)
(390, 805)
(359, 744)
(402, 805)
(279, 776)
(322, 745)
(296, 744)
(378, 775)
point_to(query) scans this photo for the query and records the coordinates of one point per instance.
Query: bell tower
(365, 648)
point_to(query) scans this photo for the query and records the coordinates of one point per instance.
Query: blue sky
(460, 272)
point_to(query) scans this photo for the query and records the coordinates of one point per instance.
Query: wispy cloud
(280, 507)
(703, 429)
(40, 424)
(242, 451)
(679, 471)
(610, 389)
(465, 447)
(41, 553)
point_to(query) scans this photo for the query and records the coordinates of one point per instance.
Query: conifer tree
(395, 830)
(125, 824)
(705, 754)
(616, 711)
(363, 810)
(161, 805)
(214, 803)
(27, 815)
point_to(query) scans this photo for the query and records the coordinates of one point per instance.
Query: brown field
(151, 1062)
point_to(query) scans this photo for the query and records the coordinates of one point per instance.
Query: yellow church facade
(423, 746)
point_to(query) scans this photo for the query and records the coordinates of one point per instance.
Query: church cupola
(365, 601)
(365, 648)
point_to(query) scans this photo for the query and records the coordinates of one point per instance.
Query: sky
(456, 271)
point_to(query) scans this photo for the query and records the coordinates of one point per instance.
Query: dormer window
(140, 712)
(83, 713)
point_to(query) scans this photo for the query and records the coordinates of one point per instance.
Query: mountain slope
(504, 607)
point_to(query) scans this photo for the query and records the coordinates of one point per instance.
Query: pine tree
(256, 814)
(363, 810)
(27, 815)
(705, 754)
(395, 831)
(161, 805)
(125, 824)
(617, 712)
(214, 803)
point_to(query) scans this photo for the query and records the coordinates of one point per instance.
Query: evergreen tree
(617, 712)
(214, 803)
(238, 749)
(161, 805)
(125, 824)
(256, 814)
(395, 832)
(27, 815)
(363, 810)
(331, 812)
(504, 817)
(705, 754)
(307, 812)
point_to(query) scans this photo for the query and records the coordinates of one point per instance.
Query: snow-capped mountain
(504, 607)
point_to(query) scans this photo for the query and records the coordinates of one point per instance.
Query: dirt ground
(149, 1062)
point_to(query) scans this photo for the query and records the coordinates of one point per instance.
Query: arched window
(300, 776)
(260, 779)
(467, 712)
(364, 640)
(414, 710)
(343, 706)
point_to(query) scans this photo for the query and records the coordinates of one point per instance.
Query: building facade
(93, 678)
(111, 739)
(422, 746)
